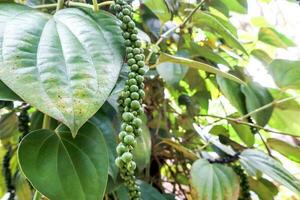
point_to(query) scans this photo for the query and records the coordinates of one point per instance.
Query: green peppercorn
(131, 166)
(127, 116)
(137, 122)
(132, 82)
(119, 162)
(134, 88)
(141, 63)
(137, 43)
(135, 105)
(142, 71)
(127, 42)
(136, 51)
(134, 96)
(129, 50)
(126, 35)
(127, 101)
(130, 55)
(126, 11)
(132, 75)
(129, 139)
(141, 93)
(134, 67)
(121, 148)
(131, 24)
(129, 129)
(138, 57)
(122, 134)
(131, 61)
(126, 157)
(126, 18)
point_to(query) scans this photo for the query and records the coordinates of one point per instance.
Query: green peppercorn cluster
(130, 99)
(244, 184)
(7, 174)
(24, 120)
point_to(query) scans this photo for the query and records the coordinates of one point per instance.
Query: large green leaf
(239, 6)
(61, 167)
(285, 73)
(255, 161)
(7, 94)
(106, 124)
(232, 91)
(244, 132)
(172, 73)
(271, 36)
(262, 56)
(8, 125)
(208, 22)
(142, 152)
(214, 181)
(197, 65)
(290, 151)
(285, 116)
(159, 8)
(65, 65)
(196, 50)
(257, 97)
(149, 192)
(265, 189)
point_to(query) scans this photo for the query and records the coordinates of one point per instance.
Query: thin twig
(265, 144)
(238, 121)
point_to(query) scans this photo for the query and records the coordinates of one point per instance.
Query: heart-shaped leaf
(65, 65)
(214, 181)
(61, 167)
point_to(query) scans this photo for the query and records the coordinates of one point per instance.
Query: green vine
(130, 99)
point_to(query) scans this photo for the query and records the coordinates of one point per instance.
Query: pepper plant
(143, 100)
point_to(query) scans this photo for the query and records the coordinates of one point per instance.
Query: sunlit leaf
(206, 21)
(292, 152)
(285, 73)
(257, 97)
(71, 60)
(159, 8)
(271, 36)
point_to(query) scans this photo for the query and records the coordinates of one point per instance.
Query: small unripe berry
(127, 117)
(134, 88)
(137, 122)
(121, 149)
(126, 157)
(135, 105)
(129, 139)
(134, 96)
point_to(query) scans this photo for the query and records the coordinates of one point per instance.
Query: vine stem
(181, 25)
(60, 5)
(95, 6)
(37, 195)
(238, 121)
(276, 102)
(46, 122)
